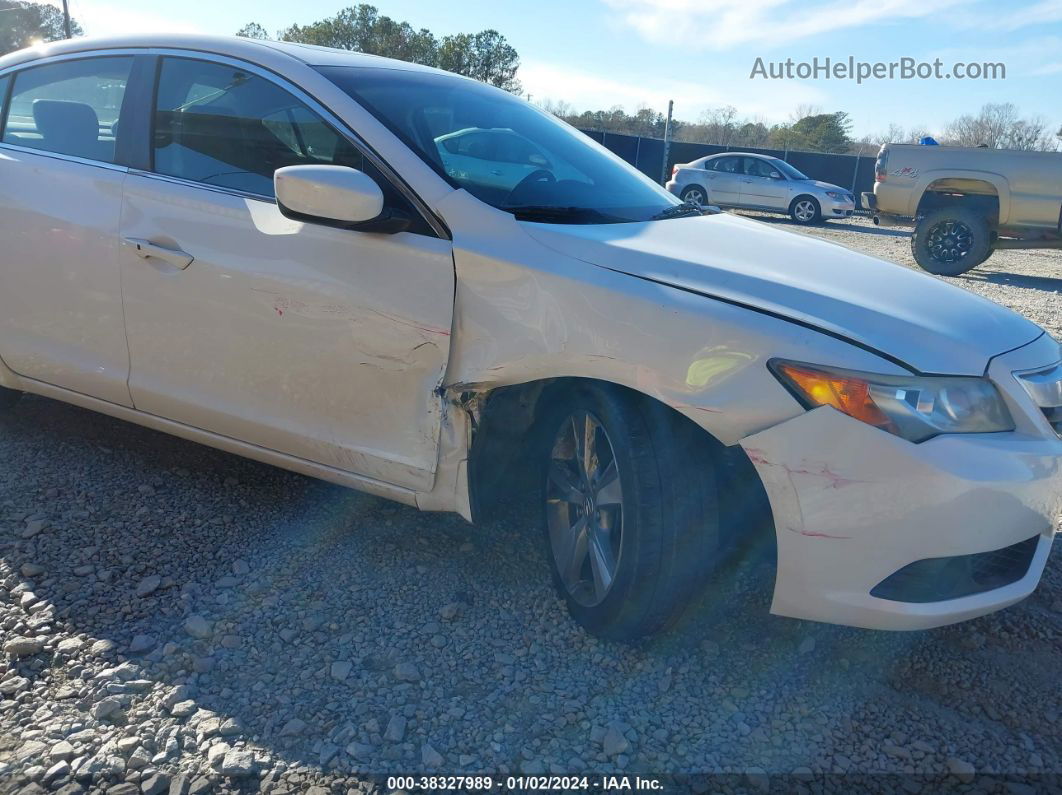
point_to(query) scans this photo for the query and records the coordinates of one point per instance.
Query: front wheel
(631, 519)
(949, 241)
(805, 210)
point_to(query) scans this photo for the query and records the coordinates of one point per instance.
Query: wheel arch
(820, 217)
(700, 186)
(982, 189)
(800, 196)
(502, 468)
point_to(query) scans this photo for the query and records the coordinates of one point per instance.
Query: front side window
(224, 126)
(69, 108)
(788, 170)
(755, 167)
(503, 150)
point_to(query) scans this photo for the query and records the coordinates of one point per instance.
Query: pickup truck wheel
(694, 194)
(631, 518)
(805, 210)
(949, 241)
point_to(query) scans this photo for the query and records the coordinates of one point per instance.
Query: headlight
(840, 197)
(914, 407)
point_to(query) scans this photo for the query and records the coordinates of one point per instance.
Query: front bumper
(836, 209)
(854, 505)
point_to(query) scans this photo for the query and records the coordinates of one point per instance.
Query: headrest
(66, 121)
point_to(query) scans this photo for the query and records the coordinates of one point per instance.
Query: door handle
(145, 249)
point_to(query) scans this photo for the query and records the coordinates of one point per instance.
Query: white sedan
(258, 246)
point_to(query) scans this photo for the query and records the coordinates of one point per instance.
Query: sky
(701, 53)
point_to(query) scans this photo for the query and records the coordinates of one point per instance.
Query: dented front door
(322, 343)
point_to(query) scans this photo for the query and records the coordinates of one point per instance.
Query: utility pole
(667, 141)
(66, 18)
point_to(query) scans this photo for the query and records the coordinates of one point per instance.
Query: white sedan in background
(759, 182)
(260, 246)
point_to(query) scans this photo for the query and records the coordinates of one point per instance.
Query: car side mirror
(775, 175)
(335, 196)
(538, 160)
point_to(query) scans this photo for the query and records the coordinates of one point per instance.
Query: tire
(805, 210)
(695, 194)
(656, 522)
(8, 398)
(950, 241)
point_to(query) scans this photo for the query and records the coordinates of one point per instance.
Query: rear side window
(728, 165)
(69, 108)
(222, 125)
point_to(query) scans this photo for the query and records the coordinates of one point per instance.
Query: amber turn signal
(845, 393)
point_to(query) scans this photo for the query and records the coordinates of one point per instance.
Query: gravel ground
(176, 619)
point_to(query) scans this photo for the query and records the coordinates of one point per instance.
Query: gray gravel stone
(961, 768)
(23, 647)
(293, 728)
(148, 585)
(198, 627)
(182, 709)
(396, 729)
(429, 756)
(238, 764)
(141, 643)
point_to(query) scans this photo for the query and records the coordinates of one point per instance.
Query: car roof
(741, 154)
(261, 51)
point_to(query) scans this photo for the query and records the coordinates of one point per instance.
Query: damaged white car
(290, 253)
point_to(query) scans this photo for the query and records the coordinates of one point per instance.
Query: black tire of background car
(816, 218)
(980, 250)
(670, 536)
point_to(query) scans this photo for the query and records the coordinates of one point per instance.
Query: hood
(818, 183)
(930, 325)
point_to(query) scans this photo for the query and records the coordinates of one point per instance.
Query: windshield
(787, 169)
(502, 150)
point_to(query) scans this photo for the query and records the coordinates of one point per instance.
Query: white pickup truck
(968, 202)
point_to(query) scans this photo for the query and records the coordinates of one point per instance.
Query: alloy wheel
(804, 210)
(694, 196)
(584, 508)
(949, 241)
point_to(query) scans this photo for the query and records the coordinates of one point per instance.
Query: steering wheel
(539, 175)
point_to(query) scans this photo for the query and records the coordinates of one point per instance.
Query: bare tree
(559, 108)
(999, 126)
(804, 110)
(719, 124)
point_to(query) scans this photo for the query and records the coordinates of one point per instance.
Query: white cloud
(585, 90)
(1048, 69)
(1041, 13)
(728, 23)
